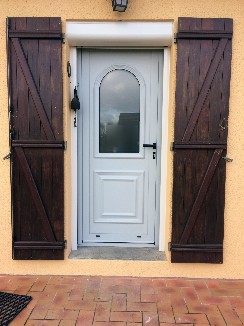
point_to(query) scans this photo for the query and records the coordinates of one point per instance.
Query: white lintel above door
(119, 34)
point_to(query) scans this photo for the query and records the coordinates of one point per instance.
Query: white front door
(119, 141)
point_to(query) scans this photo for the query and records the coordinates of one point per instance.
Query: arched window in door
(119, 113)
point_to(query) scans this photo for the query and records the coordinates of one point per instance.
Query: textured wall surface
(233, 266)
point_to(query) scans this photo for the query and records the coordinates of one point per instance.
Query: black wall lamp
(119, 5)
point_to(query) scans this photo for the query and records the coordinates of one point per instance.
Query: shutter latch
(7, 156)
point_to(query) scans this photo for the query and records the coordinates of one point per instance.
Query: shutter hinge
(169, 246)
(65, 244)
(69, 69)
(172, 146)
(175, 37)
(65, 145)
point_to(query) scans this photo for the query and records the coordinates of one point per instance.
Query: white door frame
(149, 35)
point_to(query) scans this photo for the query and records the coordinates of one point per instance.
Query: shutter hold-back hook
(227, 159)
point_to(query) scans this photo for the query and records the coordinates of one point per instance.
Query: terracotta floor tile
(164, 306)
(134, 295)
(73, 280)
(80, 305)
(214, 300)
(173, 324)
(62, 314)
(236, 302)
(103, 297)
(182, 283)
(211, 284)
(39, 312)
(42, 323)
(224, 292)
(5, 278)
(151, 297)
(85, 318)
(60, 301)
(23, 279)
(67, 323)
(23, 289)
(149, 289)
(178, 304)
(189, 295)
(216, 320)
(191, 318)
(158, 282)
(241, 317)
(102, 312)
(138, 306)
(166, 317)
(76, 294)
(203, 308)
(126, 316)
(56, 279)
(168, 290)
(109, 323)
(43, 297)
(118, 302)
(232, 284)
(165, 313)
(230, 316)
(8, 286)
(150, 319)
(239, 311)
(58, 288)
(40, 283)
(201, 287)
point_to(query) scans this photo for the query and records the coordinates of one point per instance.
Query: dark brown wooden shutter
(201, 126)
(36, 128)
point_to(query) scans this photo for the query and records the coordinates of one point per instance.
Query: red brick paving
(124, 301)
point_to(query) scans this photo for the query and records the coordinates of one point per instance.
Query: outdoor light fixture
(119, 5)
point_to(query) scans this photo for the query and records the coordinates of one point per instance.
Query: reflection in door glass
(119, 113)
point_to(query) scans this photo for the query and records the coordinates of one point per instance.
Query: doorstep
(118, 253)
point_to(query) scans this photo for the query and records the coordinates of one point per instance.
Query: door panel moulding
(120, 35)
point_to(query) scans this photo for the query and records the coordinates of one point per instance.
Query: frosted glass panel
(119, 113)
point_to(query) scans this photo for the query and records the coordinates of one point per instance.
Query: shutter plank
(201, 195)
(56, 89)
(33, 90)
(35, 194)
(204, 91)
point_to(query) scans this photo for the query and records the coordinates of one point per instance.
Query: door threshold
(118, 253)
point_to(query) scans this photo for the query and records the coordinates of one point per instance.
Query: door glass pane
(119, 113)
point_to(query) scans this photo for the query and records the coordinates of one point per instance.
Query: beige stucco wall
(233, 266)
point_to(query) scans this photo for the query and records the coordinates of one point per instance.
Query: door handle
(153, 145)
